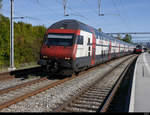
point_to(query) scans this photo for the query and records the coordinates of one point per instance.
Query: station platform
(140, 92)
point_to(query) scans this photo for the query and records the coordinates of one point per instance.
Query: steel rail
(6, 90)
(107, 102)
(18, 99)
(84, 89)
(27, 95)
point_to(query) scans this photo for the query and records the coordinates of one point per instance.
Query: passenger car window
(80, 40)
(88, 40)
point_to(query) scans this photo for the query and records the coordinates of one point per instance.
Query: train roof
(71, 24)
(75, 25)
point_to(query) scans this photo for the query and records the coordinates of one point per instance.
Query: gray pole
(99, 6)
(64, 7)
(99, 3)
(65, 2)
(11, 37)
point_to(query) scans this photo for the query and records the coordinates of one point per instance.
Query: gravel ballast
(51, 98)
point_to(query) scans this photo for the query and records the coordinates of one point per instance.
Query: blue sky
(119, 15)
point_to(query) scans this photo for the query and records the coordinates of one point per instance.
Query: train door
(109, 50)
(102, 50)
(89, 48)
(93, 48)
(119, 51)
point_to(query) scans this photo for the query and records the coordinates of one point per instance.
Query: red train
(138, 49)
(70, 46)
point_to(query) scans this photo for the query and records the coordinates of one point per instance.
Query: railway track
(19, 78)
(121, 100)
(10, 93)
(30, 91)
(98, 96)
(13, 88)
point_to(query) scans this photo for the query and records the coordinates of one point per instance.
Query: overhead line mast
(12, 67)
(99, 3)
(65, 3)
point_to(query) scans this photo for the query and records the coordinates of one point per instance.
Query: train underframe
(57, 66)
(67, 67)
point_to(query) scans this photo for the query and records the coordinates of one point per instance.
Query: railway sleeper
(91, 97)
(97, 92)
(79, 108)
(82, 105)
(76, 109)
(95, 97)
(92, 100)
(98, 95)
(94, 90)
(107, 89)
(87, 102)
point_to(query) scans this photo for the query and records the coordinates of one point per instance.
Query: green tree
(100, 29)
(127, 38)
(27, 42)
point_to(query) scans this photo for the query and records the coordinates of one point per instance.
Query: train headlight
(67, 58)
(45, 56)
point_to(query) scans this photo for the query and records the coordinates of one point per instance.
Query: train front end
(138, 49)
(58, 49)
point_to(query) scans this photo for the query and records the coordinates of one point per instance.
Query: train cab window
(59, 40)
(80, 39)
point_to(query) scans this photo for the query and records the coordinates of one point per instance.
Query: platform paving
(140, 94)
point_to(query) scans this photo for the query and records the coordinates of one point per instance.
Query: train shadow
(57, 76)
(36, 72)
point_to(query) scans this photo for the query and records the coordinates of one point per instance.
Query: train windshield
(138, 47)
(59, 40)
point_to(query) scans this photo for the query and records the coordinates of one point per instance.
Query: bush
(27, 42)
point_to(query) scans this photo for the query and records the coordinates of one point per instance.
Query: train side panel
(84, 52)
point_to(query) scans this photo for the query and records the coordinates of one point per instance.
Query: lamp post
(12, 67)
